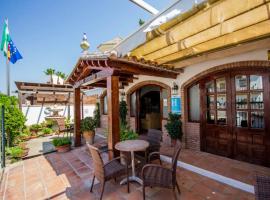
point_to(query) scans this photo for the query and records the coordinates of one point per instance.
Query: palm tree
(50, 72)
(60, 75)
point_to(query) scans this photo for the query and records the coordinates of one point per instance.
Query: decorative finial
(85, 44)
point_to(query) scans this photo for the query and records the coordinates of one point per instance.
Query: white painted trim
(217, 177)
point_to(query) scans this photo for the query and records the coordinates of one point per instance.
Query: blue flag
(13, 53)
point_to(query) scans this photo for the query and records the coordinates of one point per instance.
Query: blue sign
(176, 104)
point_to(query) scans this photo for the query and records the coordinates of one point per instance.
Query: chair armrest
(153, 153)
(152, 166)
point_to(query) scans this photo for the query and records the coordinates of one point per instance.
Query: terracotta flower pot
(63, 149)
(89, 136)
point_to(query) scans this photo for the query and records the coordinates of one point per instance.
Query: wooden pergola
(113, 73)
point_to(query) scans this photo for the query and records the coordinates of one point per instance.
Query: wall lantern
(175, 89)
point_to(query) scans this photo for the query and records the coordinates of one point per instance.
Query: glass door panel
(221, 85)
(241, 82)
(221, 101)
(210, 87)
(256, 100)
(241, 119)
(221, 117)
(241, 101)
(210, 102)
(210, 117)
(256, 82)
(257, 119)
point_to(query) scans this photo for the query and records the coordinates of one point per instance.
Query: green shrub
(48, 123)
(14, 152)
(123, 112)
(47, 131)
(61, 141)
(88, 124)
(174, 126)
(14, 118)
(97, 115)
(24, 134)
(127, 134)
(35, 128)
(67, 122)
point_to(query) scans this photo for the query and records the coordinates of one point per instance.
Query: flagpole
(8, 77)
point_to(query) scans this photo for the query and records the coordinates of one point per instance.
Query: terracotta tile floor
(241, 171)
(68, 176)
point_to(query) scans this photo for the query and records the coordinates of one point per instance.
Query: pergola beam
(94, 78)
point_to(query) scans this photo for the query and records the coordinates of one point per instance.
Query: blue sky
(48, 33)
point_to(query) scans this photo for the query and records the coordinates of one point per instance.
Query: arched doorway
(233, 111)
(148, 104)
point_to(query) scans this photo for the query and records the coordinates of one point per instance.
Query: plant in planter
(25, 134)
(88, 125)
(15, 153)
(35, 128)
(127, 134)
(62, 144)
(47, 131)
(97, 115)
(174, 127)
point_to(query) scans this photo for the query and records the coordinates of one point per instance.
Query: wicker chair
(154, 175)
(154, 137)
(262, 188)
(104, 172)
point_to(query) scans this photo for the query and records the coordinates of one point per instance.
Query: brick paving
(241, 171)
(68, 176)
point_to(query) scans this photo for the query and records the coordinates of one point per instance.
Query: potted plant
(88, 125)
(35, 128)
(126, 133)
(174, 127)
(62, 144)
(25, 135)
(47, 131)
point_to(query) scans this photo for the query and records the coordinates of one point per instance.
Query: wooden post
(77, 117)
(113, 113)
(82, 106)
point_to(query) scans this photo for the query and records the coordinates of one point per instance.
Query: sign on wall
(176, 104)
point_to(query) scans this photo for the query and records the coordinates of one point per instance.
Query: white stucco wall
(195, 69)
(142, 78)
(35, 114)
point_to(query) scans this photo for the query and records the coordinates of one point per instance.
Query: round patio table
(132, 146)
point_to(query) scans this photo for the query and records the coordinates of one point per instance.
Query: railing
(2, 136)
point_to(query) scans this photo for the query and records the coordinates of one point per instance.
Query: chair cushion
(157, 176)
(262, 188)
(113, 168)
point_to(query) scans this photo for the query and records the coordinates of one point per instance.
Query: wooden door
(235, 117)
(251, 115)
(216, 111)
